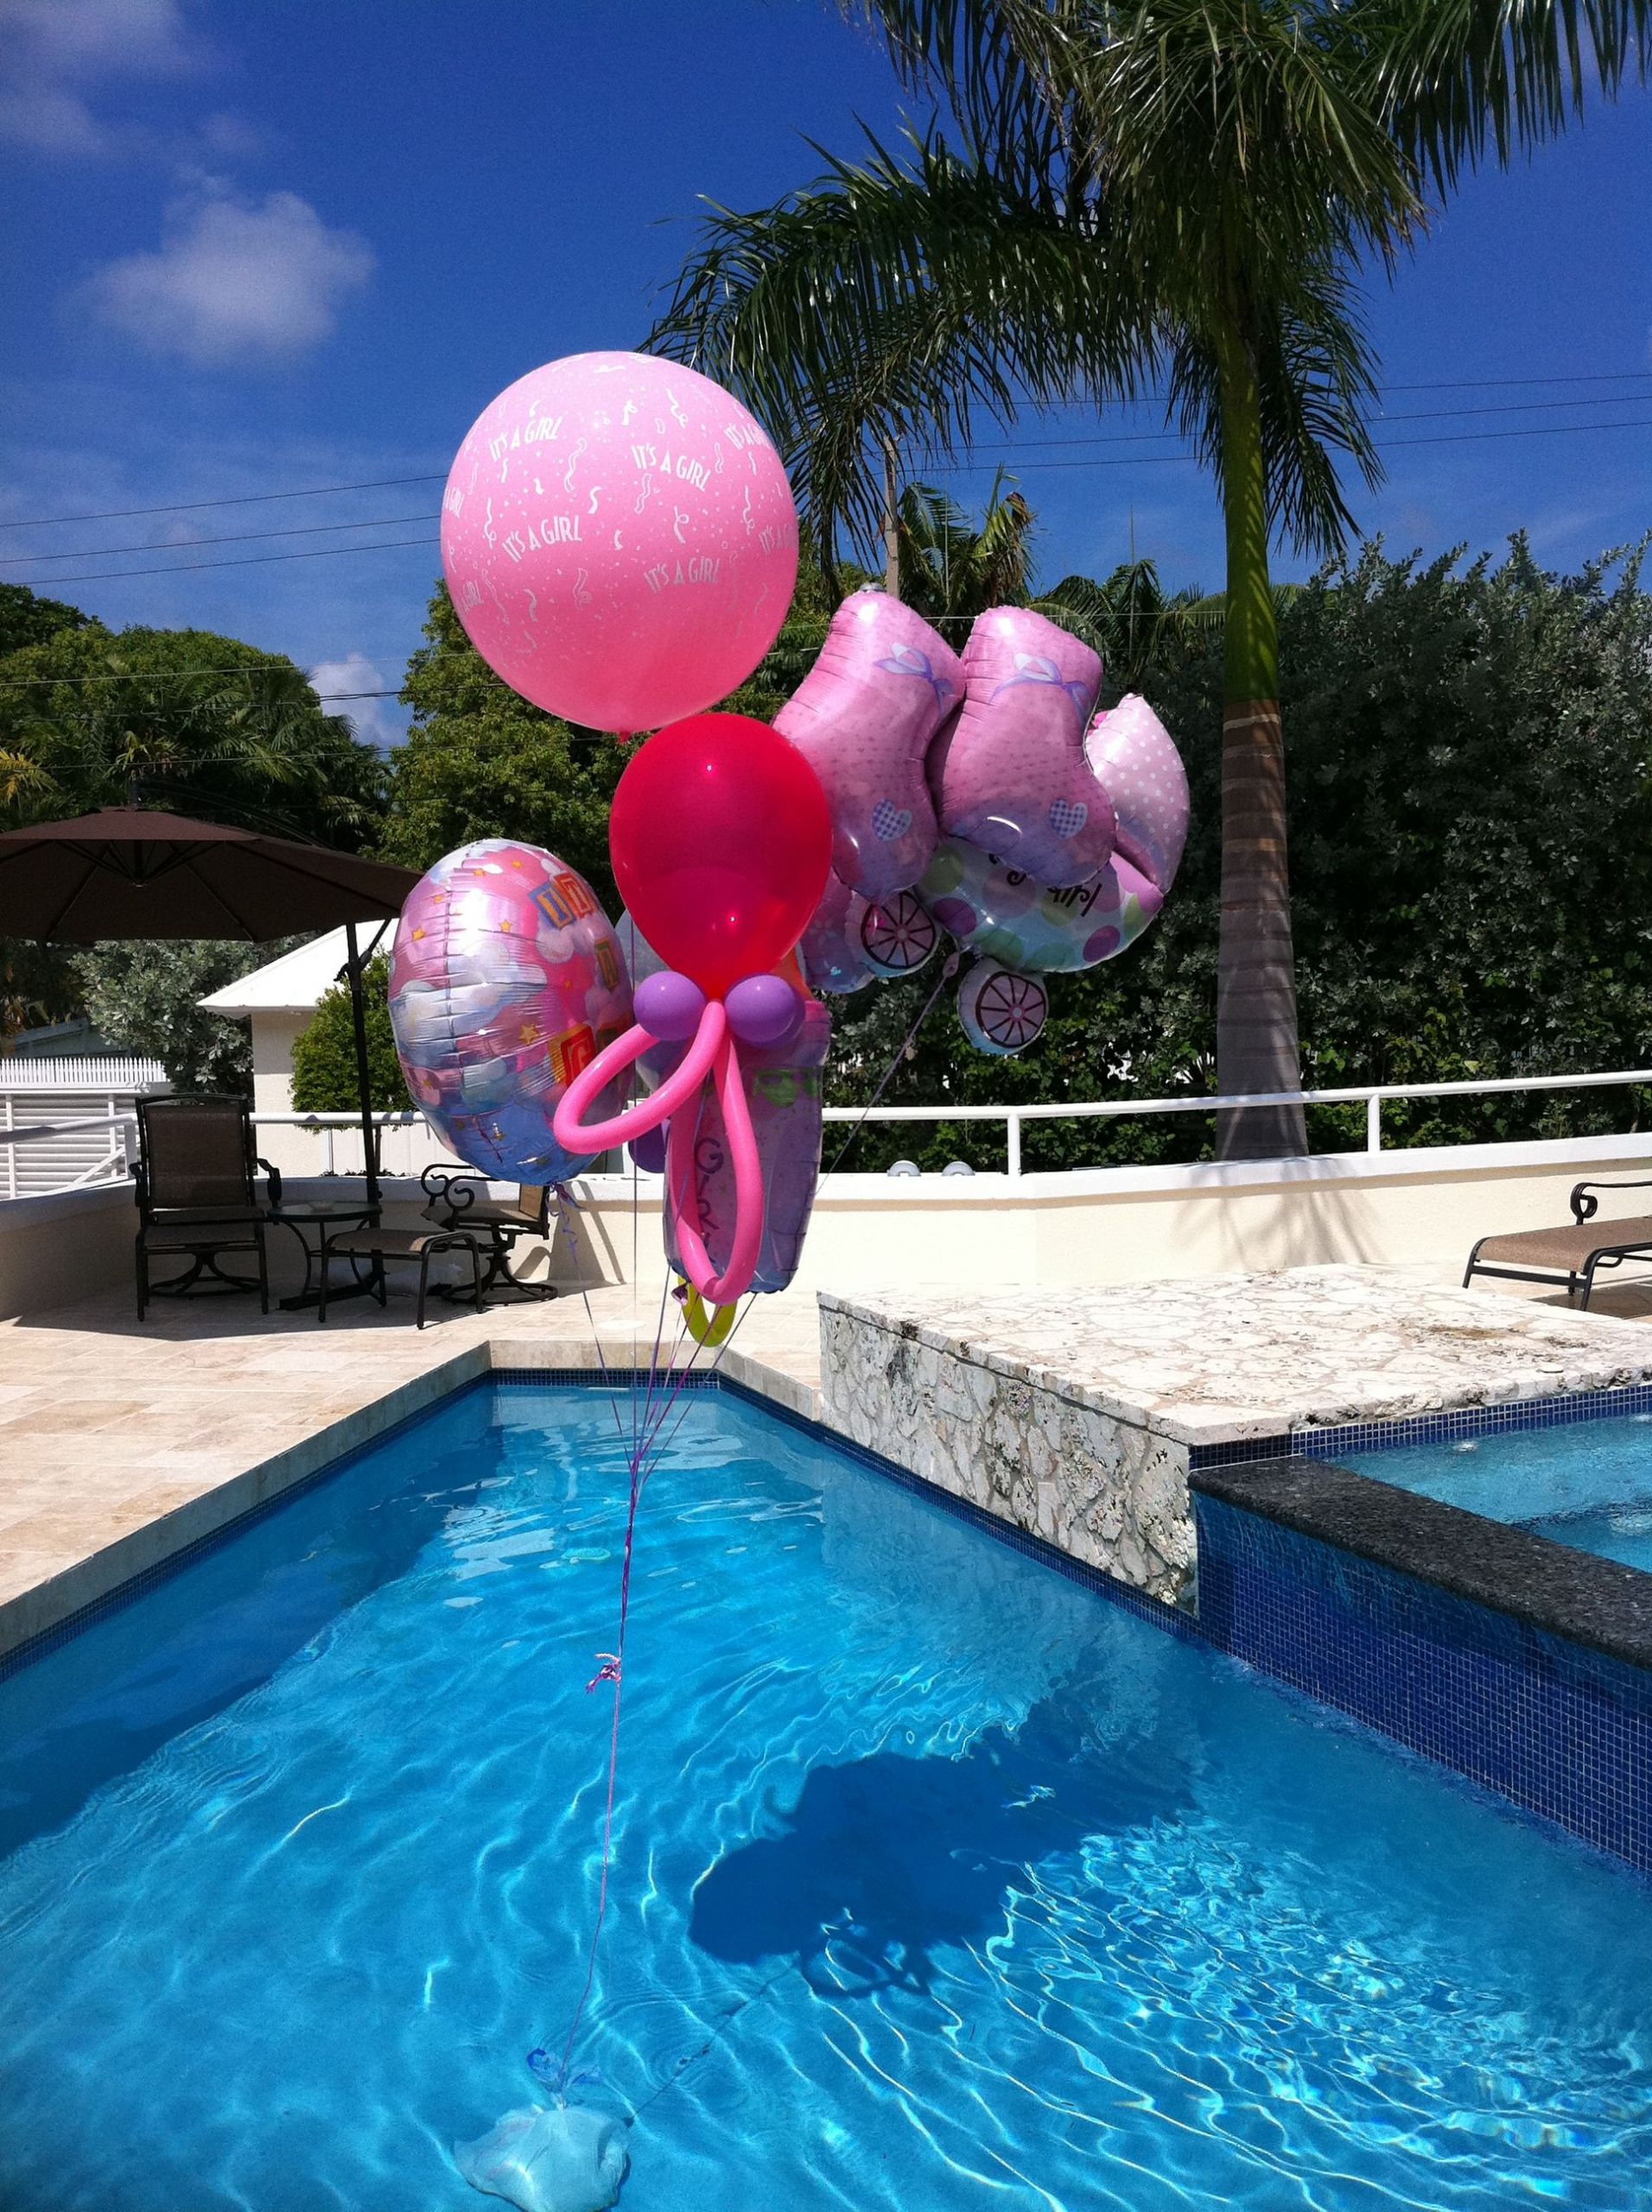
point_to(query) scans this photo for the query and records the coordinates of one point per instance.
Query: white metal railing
(1371, 1096)
(110, 1166)
(1117, 1109)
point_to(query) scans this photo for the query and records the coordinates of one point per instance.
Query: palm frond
(900, 298)
(1455, 79)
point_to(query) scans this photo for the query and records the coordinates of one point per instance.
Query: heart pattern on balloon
(1067, 816)
(890, 822)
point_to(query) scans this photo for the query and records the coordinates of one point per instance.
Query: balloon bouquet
(620, 544)
(976, 795)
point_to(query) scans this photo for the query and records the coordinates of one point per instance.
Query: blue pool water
(942, 1881)
(1587, 1484)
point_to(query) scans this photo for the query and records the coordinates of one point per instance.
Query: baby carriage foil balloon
(506, 980)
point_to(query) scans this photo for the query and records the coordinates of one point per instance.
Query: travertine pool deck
(121, 1444)
(1077, 1415)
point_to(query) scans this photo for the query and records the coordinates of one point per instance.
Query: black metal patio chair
(457, 1200)
(197, 1196)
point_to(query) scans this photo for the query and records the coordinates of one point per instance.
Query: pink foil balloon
(505, 981)
(1010, 774)
(863, 718)
(619, 540)
(784, 1083)
(1132, 757)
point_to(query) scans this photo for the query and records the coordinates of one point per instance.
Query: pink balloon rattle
(721, 842)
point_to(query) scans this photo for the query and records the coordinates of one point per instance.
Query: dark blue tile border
(1559, 1731)
(1507, 1415)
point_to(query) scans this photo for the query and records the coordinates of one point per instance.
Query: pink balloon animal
(506, 982)
(619, 539)
(1010, 775)
(863, 718)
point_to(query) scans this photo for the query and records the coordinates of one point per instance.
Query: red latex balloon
(720, 841)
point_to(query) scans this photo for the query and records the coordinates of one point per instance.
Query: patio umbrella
(128, 872)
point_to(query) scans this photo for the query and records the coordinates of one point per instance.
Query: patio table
(325, 1216)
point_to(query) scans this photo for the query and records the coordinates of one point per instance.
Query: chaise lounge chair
(1567, 1258)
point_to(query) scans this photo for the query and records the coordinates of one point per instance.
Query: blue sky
(302, 243)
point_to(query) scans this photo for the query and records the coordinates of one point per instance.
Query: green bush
(324, 1055)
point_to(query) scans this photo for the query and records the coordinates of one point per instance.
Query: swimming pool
(1586, 1483)
(942, 1880)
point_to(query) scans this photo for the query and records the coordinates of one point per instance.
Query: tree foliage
(28, 619)
(144, 996)
(182, 719)
(480, 762)
(1470, 824)
(324, 1053)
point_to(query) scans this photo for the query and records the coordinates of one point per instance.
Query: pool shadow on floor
(890, 1857)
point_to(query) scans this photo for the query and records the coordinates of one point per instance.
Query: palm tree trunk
(1255, 1019)
(890, 523)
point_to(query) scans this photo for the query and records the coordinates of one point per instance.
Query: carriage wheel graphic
(1003, 1012)
(898, 934)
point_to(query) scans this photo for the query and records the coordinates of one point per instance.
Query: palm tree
(1164, 196)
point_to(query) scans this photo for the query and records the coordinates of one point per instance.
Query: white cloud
(382, 722)
(234, 279)
(53, 52)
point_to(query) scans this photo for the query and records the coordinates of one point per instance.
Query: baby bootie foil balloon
(1010, 775)
(863, 718)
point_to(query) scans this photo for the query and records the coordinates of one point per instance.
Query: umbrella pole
(364, 1086)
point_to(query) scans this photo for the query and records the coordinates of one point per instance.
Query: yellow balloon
(707, 1324)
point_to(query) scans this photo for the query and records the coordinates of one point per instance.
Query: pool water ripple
(939, 1880)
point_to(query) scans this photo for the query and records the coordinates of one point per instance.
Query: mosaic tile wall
(1561, 1730)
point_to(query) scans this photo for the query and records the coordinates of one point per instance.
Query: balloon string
(611, 1668)
(948, 969)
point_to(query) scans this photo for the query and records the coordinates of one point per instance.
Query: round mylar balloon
(619, 539)
(1006, 916)
(505, 982)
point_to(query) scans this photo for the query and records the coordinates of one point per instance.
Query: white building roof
(292, 983)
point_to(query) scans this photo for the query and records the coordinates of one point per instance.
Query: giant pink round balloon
(619, 540)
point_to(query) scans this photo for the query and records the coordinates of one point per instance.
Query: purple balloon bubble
(669, 1005)
(764, 1010)
(649, 1149)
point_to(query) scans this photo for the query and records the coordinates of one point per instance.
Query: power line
(241, 500)
(1414, 414)
(1446, 438)
(230, 538)
(243, 560)
(384, 483)
(966, 467)
(1091, 438)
